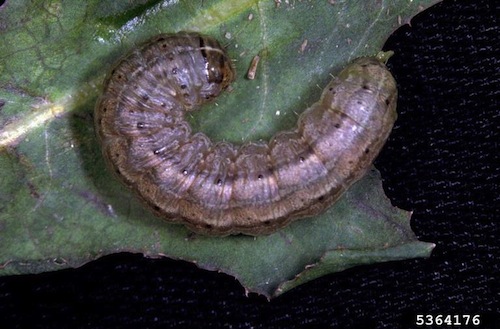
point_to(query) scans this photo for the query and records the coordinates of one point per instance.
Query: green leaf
(59, 205)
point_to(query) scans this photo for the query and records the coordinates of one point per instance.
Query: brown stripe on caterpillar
(220, 188)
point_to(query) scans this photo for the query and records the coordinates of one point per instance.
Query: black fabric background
(441, 162)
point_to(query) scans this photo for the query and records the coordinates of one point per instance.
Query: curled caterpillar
(220, 188)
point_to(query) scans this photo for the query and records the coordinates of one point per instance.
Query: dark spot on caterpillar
(244, 194)
(202, 47)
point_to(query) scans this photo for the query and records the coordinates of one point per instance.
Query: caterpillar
(220, 188)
